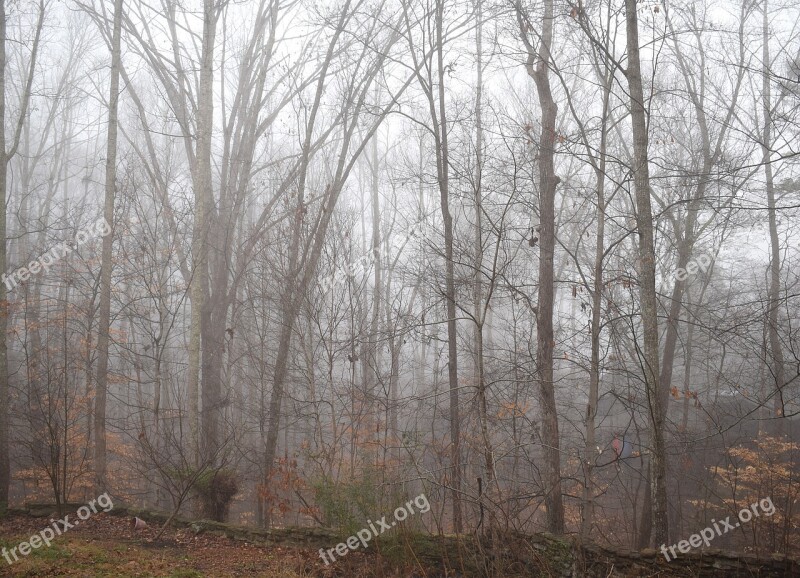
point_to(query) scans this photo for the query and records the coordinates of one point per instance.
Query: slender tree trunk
(764, 412)
(289, 299)
(443, 163)
(213, 324)
(776, 350)
(646, 522)
(372, 363)
(394, 379)
(288, 316)
(687, 238)
(193, 372)
(203, 194)
(597, 300)
(477, 232)
(538, 66)
(104, 323)
(300, 272)
(421, 350)
(685, 246)
(5, 157)
(647, 275)
(478, 306)
(687, 373)
(5, 394)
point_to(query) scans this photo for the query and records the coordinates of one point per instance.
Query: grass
(81, 557)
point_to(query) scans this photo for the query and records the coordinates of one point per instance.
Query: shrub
(216, 492)
(215, 489)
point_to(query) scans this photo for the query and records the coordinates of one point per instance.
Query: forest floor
(106, 545)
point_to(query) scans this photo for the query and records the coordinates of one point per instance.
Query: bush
(216, 492)
(215, 489)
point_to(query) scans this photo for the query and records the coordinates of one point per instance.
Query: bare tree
(104, 323)
(7, 153)
(538, 66)
(304, 253)
(775, 348)
(647, 272)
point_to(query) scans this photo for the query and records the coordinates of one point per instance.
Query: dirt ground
(105, 545)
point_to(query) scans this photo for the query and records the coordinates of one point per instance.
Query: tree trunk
(373, 355)
(647, 275)
(776, 351)
(5, 394)
(686, 239)
(289, 300)
(443, 166)
(203, 194)
(104, 323)
(538, 68)
(478, 306)
(5, 158)
(597, 300)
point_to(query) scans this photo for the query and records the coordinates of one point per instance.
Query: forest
(485, 268)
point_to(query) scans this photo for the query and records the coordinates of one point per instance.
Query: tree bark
(776, 360)
(479, 309)
(203, 448)
(597, 300)
(647, 280)
(104, 323)
(538, 66)
(373, 355)
(5, 399)
(443, 170)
